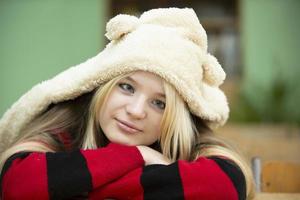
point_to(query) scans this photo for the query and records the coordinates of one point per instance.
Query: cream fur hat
(168, 42)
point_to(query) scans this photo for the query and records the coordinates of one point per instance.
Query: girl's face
(134, 109)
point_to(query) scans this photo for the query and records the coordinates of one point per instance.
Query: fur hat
(169, 42)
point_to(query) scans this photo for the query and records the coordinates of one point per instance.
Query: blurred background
(256, 41)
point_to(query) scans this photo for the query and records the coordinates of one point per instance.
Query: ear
(120, 25)
(213, 73)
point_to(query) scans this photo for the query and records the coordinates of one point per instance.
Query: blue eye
(159, 104)
(126, 87)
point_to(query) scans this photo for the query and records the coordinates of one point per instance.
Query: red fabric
(201, 179)
(117, 175)
(26, 179)
(204, 179)
(66, 140)
(126, 188)
(107, 164)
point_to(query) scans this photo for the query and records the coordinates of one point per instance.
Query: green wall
(271, 51)
(38, 39)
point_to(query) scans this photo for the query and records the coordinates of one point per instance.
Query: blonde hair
(38, 135)
(94, 137)
(183, 135)
(186, 136)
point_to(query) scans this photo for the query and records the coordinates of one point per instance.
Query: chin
(125, 142)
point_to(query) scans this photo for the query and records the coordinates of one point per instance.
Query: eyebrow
(131, 79)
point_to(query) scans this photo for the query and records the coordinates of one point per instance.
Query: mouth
(127, 127)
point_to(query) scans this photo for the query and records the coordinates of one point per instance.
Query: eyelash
(123, 87)
(161, 103)
(127, 87)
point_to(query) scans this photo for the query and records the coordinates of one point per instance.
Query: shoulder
(235, 174)
(11, 159)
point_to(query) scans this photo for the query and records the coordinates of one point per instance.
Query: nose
(136, 107)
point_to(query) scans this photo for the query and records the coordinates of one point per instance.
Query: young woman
(134, 122)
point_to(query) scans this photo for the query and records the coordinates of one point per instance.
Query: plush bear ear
(120, 25)
(213, 73)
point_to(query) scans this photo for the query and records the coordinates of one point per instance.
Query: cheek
(156, 125)
(111, 104)
(104, 115)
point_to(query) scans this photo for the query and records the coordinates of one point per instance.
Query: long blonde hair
(183, 136)
(186, 136)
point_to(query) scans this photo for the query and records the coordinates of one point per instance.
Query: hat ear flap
(213, 73)
(120, 25)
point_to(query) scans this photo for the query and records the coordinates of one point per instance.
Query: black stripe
(68, 175)
(9, 162)
(162, 182)
(235, 174)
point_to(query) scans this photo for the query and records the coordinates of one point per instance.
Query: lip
(128, 126)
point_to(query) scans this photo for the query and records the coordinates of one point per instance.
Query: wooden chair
(276, 176)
